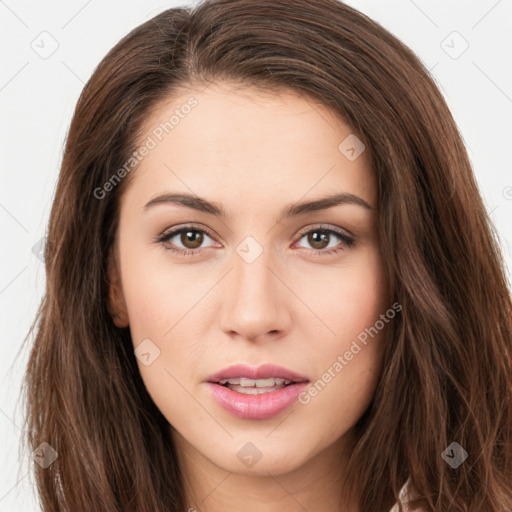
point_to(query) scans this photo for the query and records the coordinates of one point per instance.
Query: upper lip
(264, 371)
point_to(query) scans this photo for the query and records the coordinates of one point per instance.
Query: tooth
(231, 381)
(253, 391)
(266, 383)
(259, 383)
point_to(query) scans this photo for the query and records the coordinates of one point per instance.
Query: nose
(256, 303)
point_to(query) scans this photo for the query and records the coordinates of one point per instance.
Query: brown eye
(191, 238)
(318, 239)
(324, 241)
(187, 240)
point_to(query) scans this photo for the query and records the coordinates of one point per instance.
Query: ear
(116, 303)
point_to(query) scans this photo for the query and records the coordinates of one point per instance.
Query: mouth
(252, 381)
(256, 393)
(255, 386)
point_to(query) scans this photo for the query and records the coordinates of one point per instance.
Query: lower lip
(256, 407)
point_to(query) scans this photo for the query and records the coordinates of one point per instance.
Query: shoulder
(407, 494)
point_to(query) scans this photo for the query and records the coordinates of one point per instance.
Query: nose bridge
(254, 304)
(252, 277)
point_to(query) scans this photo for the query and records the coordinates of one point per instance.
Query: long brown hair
(447, 372)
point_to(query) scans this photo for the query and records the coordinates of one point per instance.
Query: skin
(253, 153)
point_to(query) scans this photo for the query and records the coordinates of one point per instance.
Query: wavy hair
(447, 373)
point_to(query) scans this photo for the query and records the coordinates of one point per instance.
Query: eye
(320, 239)
(189, 240)
(190, 237)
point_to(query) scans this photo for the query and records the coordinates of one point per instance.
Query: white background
(37, 98)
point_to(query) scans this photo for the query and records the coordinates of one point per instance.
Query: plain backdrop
(49, 50)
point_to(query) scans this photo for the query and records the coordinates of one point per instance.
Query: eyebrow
(293, 210)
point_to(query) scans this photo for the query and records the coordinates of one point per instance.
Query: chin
(255, 455)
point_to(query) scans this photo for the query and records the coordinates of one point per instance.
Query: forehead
(257, 141)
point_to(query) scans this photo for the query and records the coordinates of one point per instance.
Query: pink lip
(256, 407)
(264, 371)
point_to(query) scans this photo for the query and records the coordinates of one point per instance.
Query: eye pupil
(318, 237)
(188, 237)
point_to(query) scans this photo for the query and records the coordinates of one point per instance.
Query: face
(238, 271)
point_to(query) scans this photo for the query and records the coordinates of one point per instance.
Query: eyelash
(347, 241)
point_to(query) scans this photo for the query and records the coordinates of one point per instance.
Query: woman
(271, 280)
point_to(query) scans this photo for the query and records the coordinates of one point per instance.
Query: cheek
(158, 294)
(162, 325)
(348, 356)
(165, 310)
(347, 299)
(346, 376)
